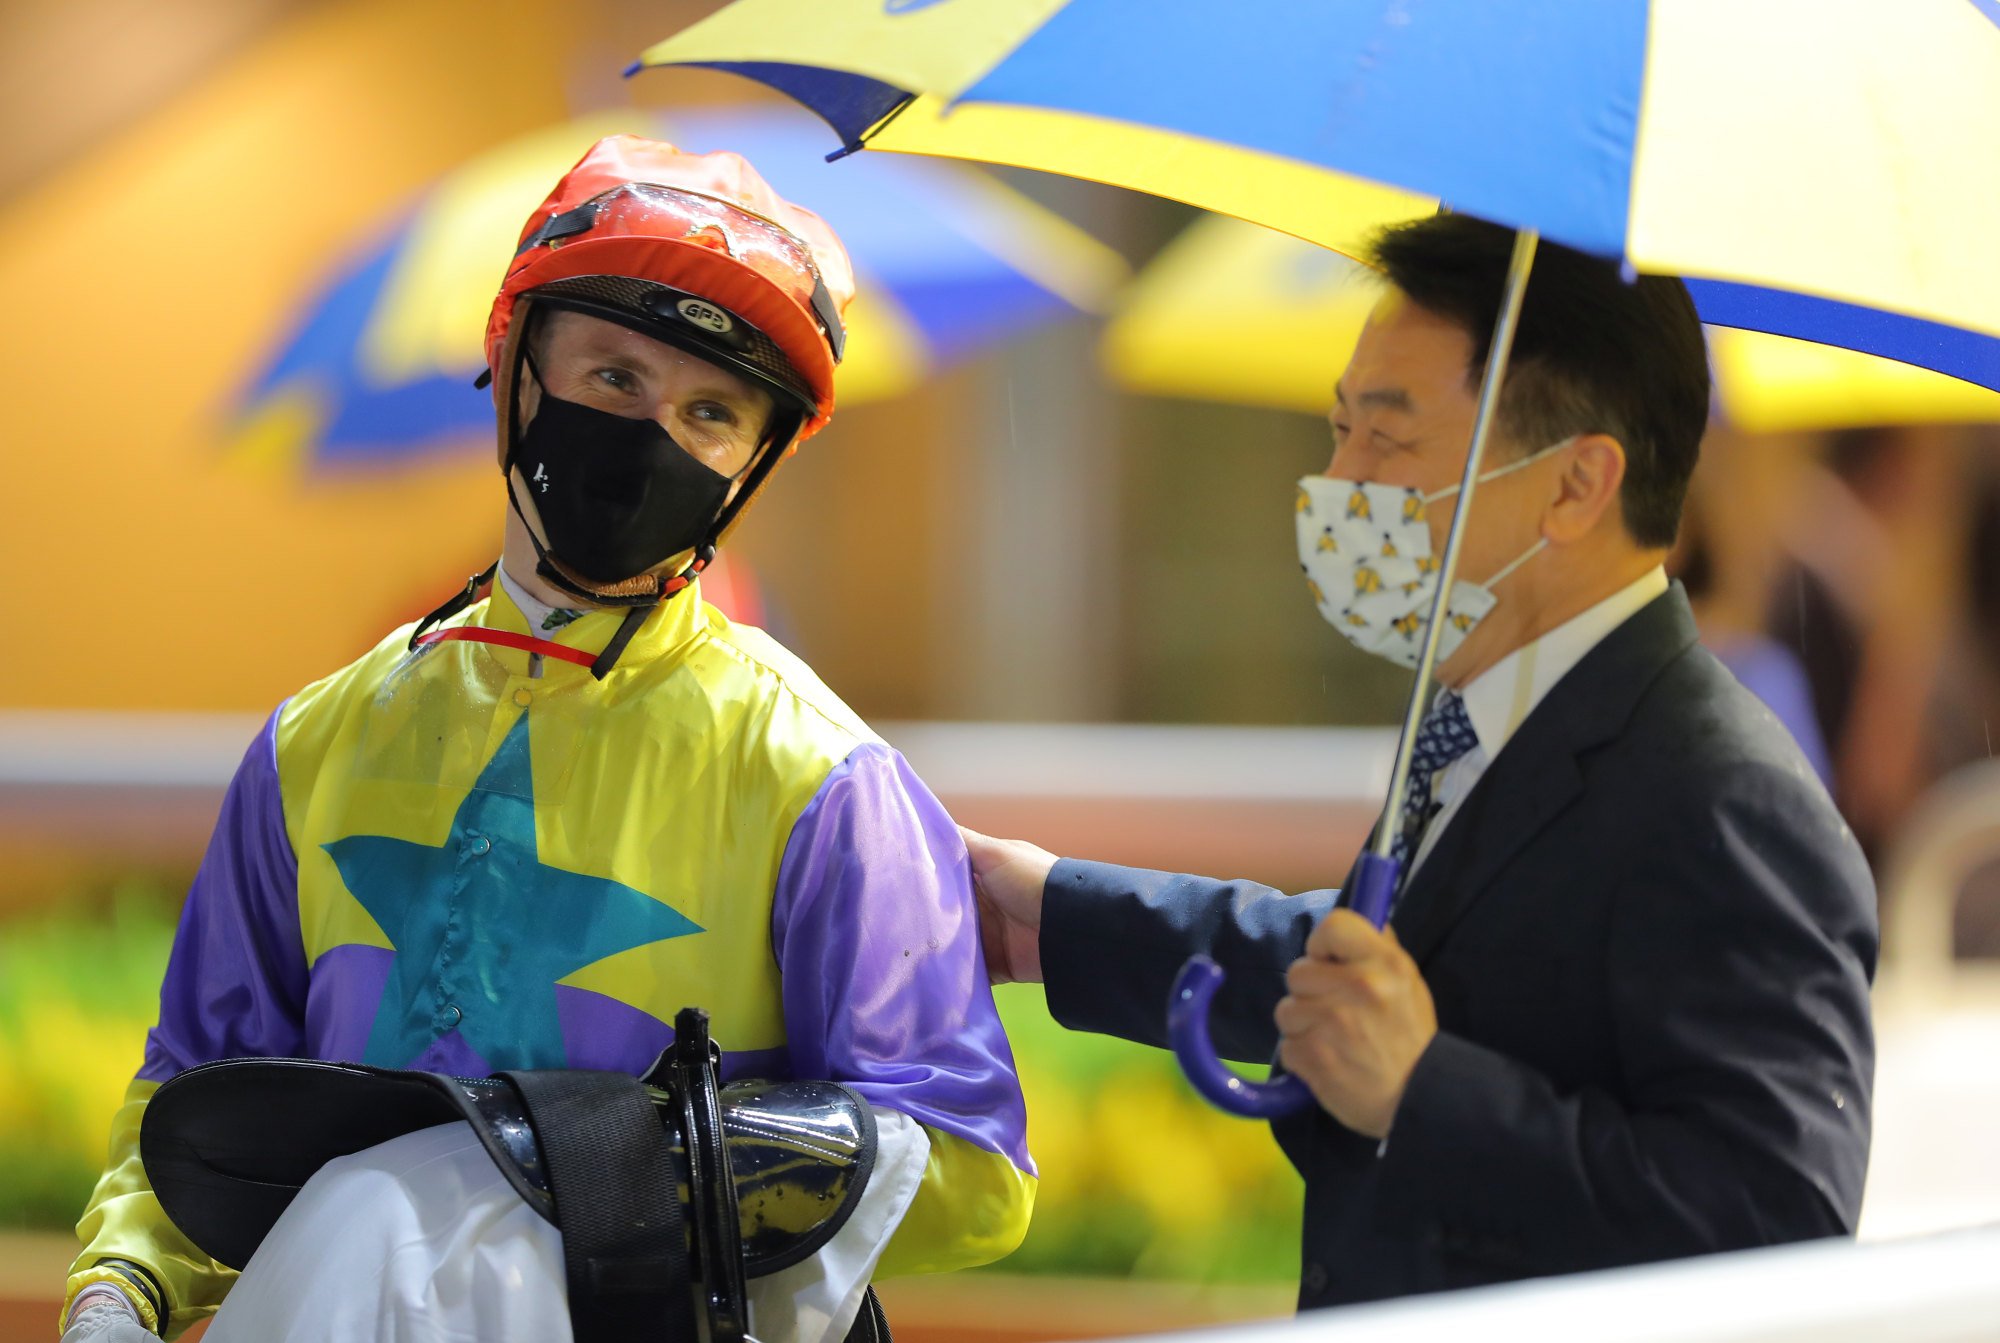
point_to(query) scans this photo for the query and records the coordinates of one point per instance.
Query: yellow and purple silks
(1236, 313)
(1823, 169)
(381, 364)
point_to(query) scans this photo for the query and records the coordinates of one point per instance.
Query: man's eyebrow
(611, 352)
(1381, 398)
(736, 398)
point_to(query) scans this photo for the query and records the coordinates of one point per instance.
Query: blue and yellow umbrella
(1820, 169)
(1236, 313)
(380, 368)
(1823, 169)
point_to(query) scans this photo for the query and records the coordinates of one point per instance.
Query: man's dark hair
(1592, 353)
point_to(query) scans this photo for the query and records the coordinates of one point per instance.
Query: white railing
(1286, 805)
(68, 748)
(1938, 1289)
(1936, 1161)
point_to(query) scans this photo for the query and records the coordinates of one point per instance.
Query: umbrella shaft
(1518, 269)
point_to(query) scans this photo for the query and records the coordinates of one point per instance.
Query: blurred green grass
(78, 989)
(1138, 1177)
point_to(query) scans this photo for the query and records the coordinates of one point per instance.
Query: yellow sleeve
(972, 1208)
(124, 1220)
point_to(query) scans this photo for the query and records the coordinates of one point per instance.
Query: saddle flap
(228, 1145)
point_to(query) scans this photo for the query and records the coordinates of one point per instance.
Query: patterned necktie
(1444, 735)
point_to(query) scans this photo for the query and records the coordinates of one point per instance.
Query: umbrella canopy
(380, 366)
(1293, 312)
(1815, 168)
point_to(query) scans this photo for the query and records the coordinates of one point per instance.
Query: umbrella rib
(861, 140)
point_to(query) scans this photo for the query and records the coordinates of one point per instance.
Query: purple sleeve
(236, 982)
(877, 942)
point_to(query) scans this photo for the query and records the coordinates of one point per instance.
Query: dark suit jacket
(1650, 939)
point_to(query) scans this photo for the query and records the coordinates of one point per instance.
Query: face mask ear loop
(1541, 544)
(522, 360)
(1506, 470)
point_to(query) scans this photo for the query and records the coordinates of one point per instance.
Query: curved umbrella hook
(1187, 1028)
(1195, 988)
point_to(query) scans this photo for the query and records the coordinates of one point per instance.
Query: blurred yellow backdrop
(146, 278)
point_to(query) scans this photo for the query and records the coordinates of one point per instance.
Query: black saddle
(668, 1190)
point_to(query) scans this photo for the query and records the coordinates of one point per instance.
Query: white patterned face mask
(1366, 552)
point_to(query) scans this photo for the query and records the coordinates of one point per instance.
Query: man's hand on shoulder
(1356, 1019)
(1007, 877)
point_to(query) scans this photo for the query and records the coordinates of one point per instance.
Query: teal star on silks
(483, 929)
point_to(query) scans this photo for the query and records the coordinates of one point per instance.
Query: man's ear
(1587, 490)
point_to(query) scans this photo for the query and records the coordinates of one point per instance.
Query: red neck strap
(526, 643)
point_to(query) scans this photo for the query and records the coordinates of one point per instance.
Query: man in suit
(1621, 1010)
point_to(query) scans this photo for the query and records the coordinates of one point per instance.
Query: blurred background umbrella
(1816, 169)
(379, 368)
(1233, 312)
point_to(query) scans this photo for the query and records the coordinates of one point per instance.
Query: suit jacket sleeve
(1742, 945)
(1113, 938)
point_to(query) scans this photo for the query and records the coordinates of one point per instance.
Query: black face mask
(616, 495)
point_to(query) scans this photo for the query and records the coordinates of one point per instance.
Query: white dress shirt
(1499, 699)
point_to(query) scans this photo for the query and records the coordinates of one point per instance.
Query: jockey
(526, 831)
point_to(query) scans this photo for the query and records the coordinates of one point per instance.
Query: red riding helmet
(693, 249)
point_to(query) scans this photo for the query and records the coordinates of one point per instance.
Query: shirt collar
(672, 623)
(543, 620)
(1499, 699)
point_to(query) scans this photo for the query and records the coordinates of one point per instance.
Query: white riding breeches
(422, 1240)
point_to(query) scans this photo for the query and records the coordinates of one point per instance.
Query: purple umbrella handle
(1195, 987)
(1187, 1028)
(1374, 886)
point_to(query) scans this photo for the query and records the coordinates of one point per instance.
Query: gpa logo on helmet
(705, 315)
